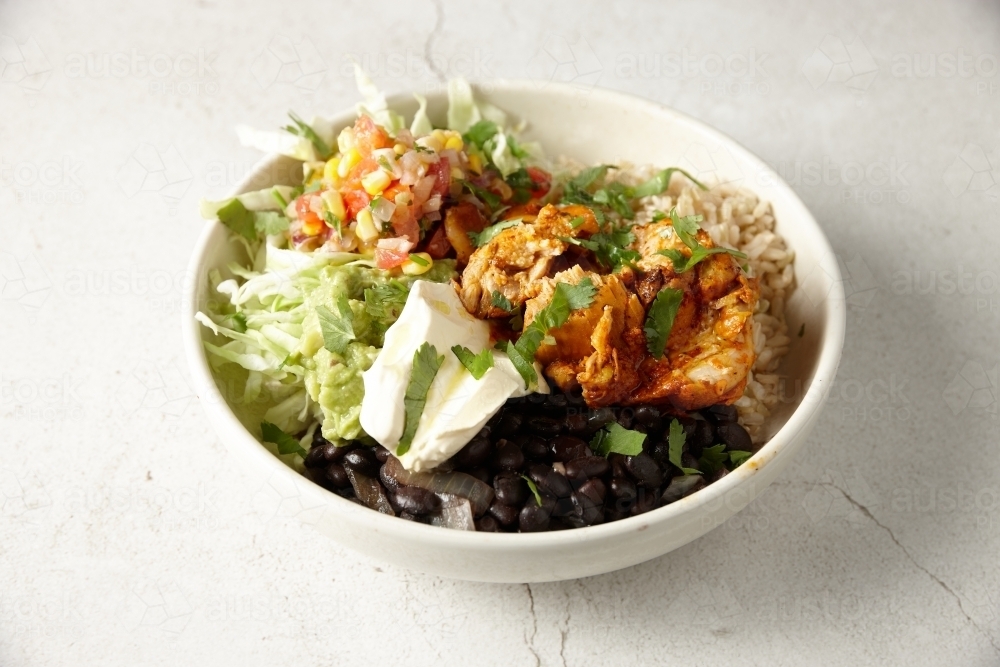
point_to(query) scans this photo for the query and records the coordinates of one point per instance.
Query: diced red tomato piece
(404, 224)
(542, 180)
(441, 171)
(306, 214)
(389, 259)
(369, 136)
(355, 201)
(438, 245)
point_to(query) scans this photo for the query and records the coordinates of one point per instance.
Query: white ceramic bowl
(594, 126)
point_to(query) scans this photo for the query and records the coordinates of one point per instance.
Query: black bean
(594, 489)
(645, 501)
(704, 436)
(575, 397)
(625, 418)
(318, 439)
(563, 507)
(600, 417)
(618, 468)
(475, 453)
(566, 448)
(661, 453)
(614, 514)
(689, 425)
(533, 447)
(509, 425)
(362, 460)
(717, 475)
(545, 426)
(644, 470)
(585, 510)
(649, 416)
(556, 401)
(482, 474)
(734, 436)
(320, 456)
(337, 476)
(556, 484)
(689, 461)
(505, 514)
(407, 516)
(510, 489)
(487, 524)
(576, 423)
(622, 488)
(721, 414)
(681, 486)
(534, 518)
(416, 500)
(586, 467)
(381, 453)
(507, 456)
(537, 399)
(387, 480)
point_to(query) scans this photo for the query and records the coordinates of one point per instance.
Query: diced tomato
(438, 245)
(405, 224)
(306, 214)
(441, 171)
(369, 136)
(388, 259)
(541, 179)
(355, 201)
(394, 189)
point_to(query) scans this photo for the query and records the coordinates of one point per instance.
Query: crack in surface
(864, 510)
(429, 42)
(530, 643)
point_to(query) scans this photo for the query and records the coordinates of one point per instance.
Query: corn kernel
(366, 230)
(416, 268)
(350, 159)
(375, 182)
(399, 149)
(334, 203)
(457, 174)
(454, 143)
(475, 163)
(330, 170)
(346, 140)
(312, 227)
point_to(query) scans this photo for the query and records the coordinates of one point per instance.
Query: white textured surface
(128, 535)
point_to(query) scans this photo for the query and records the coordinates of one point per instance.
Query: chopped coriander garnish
(250, 224)
(659, 183)
(686, 228)
(712, 459)
(480, 239)
(286, 443)
(660, 319)
(385, 302)
(376, 200)
(533, 489)
(477, 364)
(302, 129)
(501, 302)
(384, 163)
(577, 221)
(333, 222)
(738, 456)
(426, 363)
(675, 447)
(610, 249)
(490, 199)
(418, 260)
(658, 215)
(616, 439)
(523, 365)
(480, 133)
(281, 200)
(338, 329)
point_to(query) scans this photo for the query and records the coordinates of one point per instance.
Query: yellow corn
(330, 170)
(345, 140)
(334, 203)
(476, 163)
(454, 142)
(311, 228)
(375, 182)
(457, 174)
(399, 149)
(351, 158)
(366, 230)
(412, 268)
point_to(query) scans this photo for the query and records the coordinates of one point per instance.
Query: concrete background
(131, 538)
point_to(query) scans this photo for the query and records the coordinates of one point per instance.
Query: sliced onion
(455, 513)
(432, 204)
(396, 243)
(369, 492)
(383, 209)
(422, 190)
(478, 493)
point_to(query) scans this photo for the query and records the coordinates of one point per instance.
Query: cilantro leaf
(250, 224)
(580, 295)
(533, 489)
(338, 329)
(286, 443)
(278, 198)
(611, 248)
(618, 198)
(675, 447)
(660, 320)
(523, 365)
(521, 184)
(712, 459)
(587, 177)
(686, 227)
(480, 239)
(426, 363)
(477, 364)
(501, 302)
(738, 456)
(616, 439)
(659, 183)
(239, 321)
(385, 302)
(480, 133)
(490, 199)
(302, 129)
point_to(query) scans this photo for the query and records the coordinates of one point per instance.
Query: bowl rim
(809, 404)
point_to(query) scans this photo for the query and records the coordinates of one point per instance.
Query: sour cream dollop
(458, 405)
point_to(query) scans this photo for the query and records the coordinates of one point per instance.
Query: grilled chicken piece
(459, 221)
(516, 260)
(600, 347)
(710, 350)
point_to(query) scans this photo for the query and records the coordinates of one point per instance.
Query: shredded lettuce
(421, 123)
(258, 200)
(375, 104)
